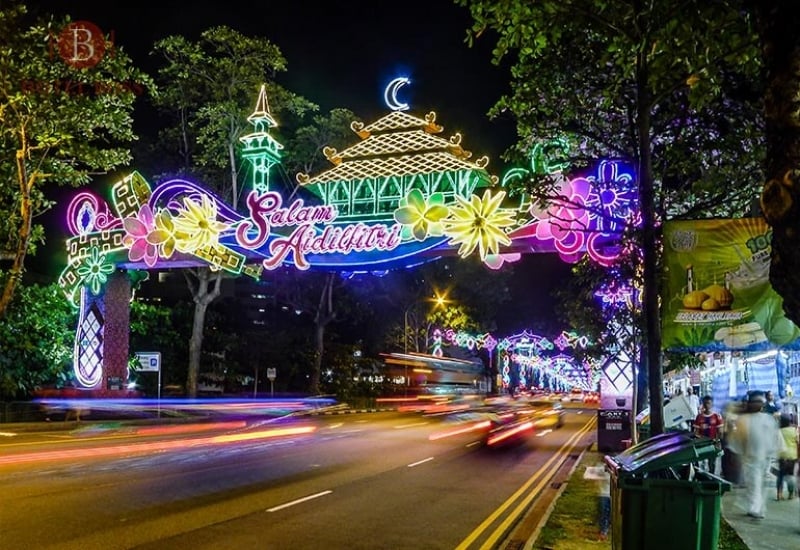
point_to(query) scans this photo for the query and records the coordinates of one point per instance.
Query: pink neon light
(87, 213)
(357, 237)
(138, 230)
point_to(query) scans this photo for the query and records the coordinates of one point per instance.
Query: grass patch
(573, 524)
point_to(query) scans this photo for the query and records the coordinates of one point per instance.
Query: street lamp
(438, 300)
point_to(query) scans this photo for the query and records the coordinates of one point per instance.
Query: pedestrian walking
(787, 458)
(756, 441)
(694, 401)
(771, 407)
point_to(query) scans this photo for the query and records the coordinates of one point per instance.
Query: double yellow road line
(543, 475)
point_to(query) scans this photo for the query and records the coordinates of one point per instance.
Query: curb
(546, 516)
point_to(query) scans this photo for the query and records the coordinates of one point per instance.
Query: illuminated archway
(400, 196)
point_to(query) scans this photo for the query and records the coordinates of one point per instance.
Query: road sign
(149, 361)
(271, 374)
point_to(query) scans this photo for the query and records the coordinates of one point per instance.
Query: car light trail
(478, 426)
(505, 434)
(117, 450)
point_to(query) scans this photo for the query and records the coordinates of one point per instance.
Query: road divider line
(298, 501)
(414, 425)
(523, 505)
(472, 537)
(423, 461)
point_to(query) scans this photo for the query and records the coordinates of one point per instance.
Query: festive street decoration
(401, 195)
(527, 360)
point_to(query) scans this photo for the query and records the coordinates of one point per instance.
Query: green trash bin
(659, 501)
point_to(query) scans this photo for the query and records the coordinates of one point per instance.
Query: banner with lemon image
(717, 292)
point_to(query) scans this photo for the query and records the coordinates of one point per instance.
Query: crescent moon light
(390, 94)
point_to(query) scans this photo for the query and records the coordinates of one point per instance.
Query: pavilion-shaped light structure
(397, 153)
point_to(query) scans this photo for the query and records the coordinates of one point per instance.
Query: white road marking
(473, 443)
(410, 425)
(337, 425)
(543, 432)
(298, 501)
(7, 434)
(423, 461)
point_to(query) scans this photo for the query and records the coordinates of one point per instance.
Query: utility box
(613, 428)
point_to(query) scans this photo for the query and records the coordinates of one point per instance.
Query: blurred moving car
(522, 418)
(574, 395)
(547, 414)
(504, 420)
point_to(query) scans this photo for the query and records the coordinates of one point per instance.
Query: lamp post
(439, 300)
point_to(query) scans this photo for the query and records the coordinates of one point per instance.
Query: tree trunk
(25, 182)
(323, 316)
(234, 186)
(777, 23)
(316, 367)
(650, 248)
(203, 293)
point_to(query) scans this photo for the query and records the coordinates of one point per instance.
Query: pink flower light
(137, 230)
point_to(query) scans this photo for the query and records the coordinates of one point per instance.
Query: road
(353, 481)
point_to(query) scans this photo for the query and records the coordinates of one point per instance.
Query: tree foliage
(164, 329)
(632, 80)
(777, 21)
(59, 125)
(36, 339)
(208, 89)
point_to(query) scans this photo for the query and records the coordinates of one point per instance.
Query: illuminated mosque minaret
(260, 148)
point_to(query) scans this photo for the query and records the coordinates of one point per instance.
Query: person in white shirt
(756, 442)
(694, 401)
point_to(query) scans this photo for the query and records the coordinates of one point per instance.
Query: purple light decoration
(616, 294)
(588, 214)
(88, 213)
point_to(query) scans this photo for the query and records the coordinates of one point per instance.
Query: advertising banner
(717, 294)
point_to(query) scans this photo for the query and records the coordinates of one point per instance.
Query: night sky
(339, 54)
(342, 54)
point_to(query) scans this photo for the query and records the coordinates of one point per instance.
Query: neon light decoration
(587, 214)
(400, 196)
(527, 360)
(390, 94)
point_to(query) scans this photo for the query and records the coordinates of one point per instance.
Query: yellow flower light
(196, 225)
(478, 223)
(421, 218)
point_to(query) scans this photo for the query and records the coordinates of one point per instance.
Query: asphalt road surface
(354, 481)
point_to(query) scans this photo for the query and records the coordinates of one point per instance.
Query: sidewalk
(778, 530)
(570, 522)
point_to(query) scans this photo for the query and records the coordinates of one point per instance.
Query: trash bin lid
(663, 451)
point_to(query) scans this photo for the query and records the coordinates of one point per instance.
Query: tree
(777, 22)
(59, 125)
(208, 90)
(304, 149)
(310, 293)
(631, 80)
(163, 329)
(35, 340)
